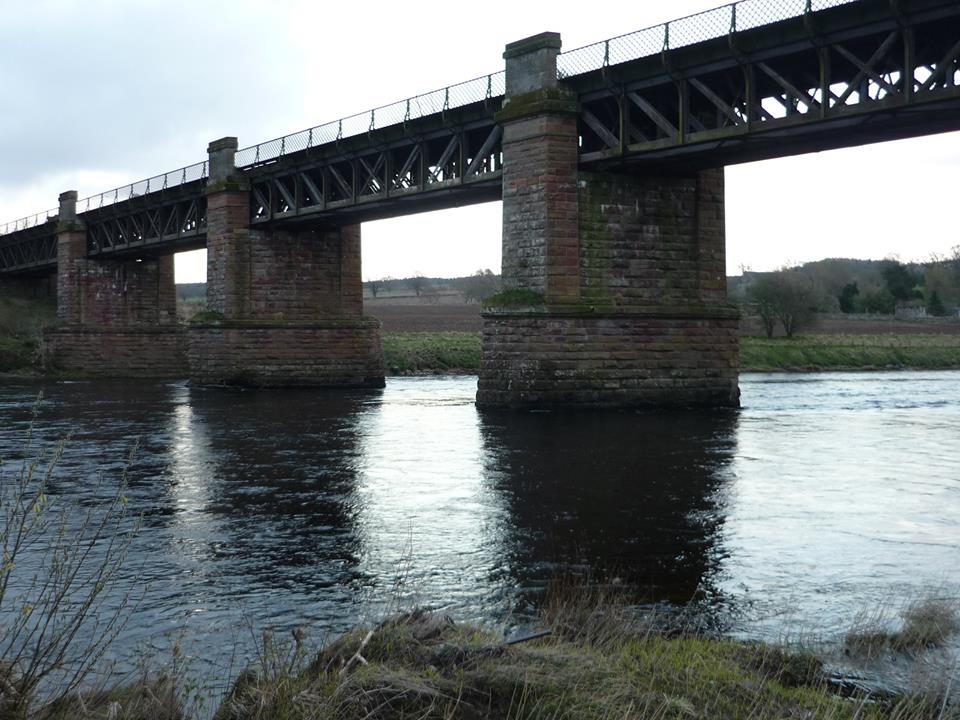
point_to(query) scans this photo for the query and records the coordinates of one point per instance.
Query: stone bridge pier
(116, 317)
(285, 307)
(615, 280)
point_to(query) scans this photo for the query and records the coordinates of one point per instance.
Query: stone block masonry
(648, 241)
(117, 318)
(553, 358)
(629, 270)
(332, 353)
(109, 292)
(649, 323)
(540, 211)
(116, 352)
(292, 314)
(286, 306)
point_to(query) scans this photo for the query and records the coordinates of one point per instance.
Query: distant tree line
(473, 288)
(791, 297)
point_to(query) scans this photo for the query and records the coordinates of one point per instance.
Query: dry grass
(148, 698)
(58, 562)
(601, 659)
(926, 622)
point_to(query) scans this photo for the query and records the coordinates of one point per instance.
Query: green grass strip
(850, 352)
(409, 353)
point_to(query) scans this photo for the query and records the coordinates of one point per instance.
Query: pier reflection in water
(632, 496)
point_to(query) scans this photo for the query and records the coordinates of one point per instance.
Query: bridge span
(608, 160)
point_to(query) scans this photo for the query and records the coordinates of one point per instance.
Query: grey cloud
(126, 86)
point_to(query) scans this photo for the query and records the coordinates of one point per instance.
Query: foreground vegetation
(594, 658)
(445, 352)
(21, 321)
(599, 661)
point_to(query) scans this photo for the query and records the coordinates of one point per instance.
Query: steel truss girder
(147, 224)
(719, 112)
(324, 184)
(31, 249)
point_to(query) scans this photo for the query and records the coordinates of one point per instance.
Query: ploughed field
(407, 315)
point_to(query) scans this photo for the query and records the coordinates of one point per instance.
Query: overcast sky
(98, 93)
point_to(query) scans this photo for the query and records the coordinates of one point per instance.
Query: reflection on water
(826, 494)
(635, 495)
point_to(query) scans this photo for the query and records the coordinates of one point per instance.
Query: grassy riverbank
(598, 662)
(850, 352)
(409, 353)
(425, 353)
(588, 662)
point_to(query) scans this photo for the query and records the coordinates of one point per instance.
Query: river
(826, 495)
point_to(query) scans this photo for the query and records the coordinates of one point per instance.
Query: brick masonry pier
(117, 317)
(285, 307)
(616, 281)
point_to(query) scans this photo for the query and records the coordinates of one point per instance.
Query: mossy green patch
(516, 297)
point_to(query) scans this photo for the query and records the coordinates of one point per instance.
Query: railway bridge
(608, 160)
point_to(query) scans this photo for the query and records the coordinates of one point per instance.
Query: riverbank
(459, 352)
(585, 661)
(810, 353)
(413, 353)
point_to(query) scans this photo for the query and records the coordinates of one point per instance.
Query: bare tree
(785, 296)
(482, 284)
(798, 303)
(763, 296)
(417, 283)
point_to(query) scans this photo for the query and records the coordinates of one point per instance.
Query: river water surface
(825, 496)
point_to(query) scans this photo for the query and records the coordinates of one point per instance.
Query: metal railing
(448, 98)
(689, 30)
(167, 180)
(30, 221)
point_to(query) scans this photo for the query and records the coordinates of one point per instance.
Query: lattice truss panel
(133, 225)
(329, 178)
(31, 249)
(824, 79)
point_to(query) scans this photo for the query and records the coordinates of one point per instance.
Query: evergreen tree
(935, 305)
